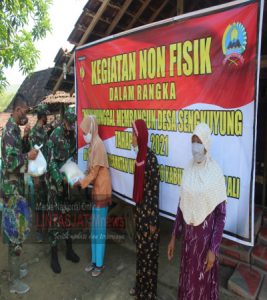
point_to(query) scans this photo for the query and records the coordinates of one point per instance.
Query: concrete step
(263, 289)
(235, 250)
(262, 237)
(245, 281)
(258, 216)
(228, 261)
(259, 257)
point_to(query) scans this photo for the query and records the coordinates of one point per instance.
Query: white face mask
(198, 152)
(87, 138)
(135, 149)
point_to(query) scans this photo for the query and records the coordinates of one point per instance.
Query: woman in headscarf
(200, 220)
(146, 196)
(98, 175)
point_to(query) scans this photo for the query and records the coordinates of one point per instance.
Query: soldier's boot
(70, 254)
(16, 285)
(55, 266)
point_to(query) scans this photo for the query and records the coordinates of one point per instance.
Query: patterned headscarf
(140, 129)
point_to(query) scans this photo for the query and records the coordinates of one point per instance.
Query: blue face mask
(198, 152)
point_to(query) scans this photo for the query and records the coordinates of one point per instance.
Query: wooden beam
(157, 12)
(72, 90)
(180, 7)
(121, 28)
(263, 61)
(91, 14)
(114, 6)
(129, 14)
(94, 22)
(118, 16)
(81, 27)
(101, 35)
(138, 14)
(84, 38)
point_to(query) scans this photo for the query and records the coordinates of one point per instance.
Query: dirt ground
(114, 284)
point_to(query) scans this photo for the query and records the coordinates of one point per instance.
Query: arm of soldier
(36, 137)
(53, 169)
(93, 172)
(14, 158)
(31, 139)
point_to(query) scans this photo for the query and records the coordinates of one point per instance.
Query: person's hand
(171, 248)
(76, 184)
(32, 154)
(210, 260)
(27, 130)
(84, 182)
(152, 229)
(36, 182)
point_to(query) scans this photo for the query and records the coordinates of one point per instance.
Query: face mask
(198, 152)
(23, 121)
(135, 149)
(87, 138)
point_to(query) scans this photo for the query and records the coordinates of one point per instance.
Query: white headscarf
(203, 184)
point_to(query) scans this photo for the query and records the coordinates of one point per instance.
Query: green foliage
(7, 96)
(22, 22)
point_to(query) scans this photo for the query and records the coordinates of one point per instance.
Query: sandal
(97, 271)
(90, 267)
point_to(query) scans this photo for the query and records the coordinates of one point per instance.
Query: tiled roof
(33, 88)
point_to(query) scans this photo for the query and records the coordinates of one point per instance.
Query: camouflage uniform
(15, 162)
(14, 159)
(61, 146)
(38, 136)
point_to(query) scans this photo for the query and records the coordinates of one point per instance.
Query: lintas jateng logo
(234, 44)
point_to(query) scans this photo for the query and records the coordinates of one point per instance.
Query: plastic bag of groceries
(38, 166)
(72, 172)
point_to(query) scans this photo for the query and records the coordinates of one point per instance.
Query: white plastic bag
(38, 166)
(72, 172)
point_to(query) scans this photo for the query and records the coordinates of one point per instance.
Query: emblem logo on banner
(82, 73)
(234, 44)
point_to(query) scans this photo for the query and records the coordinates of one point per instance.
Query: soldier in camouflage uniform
(61, 146)
(38, 136)
(15, 157)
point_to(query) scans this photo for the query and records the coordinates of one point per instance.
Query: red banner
(200, 67)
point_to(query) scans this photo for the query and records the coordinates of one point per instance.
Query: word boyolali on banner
(200, 67)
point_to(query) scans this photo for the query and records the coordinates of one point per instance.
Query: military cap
(42, 108)
(70, 115)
